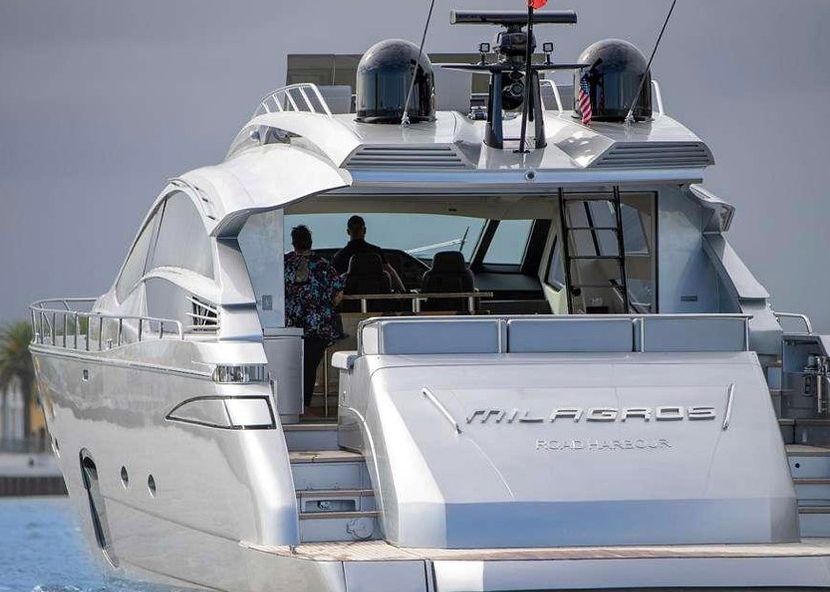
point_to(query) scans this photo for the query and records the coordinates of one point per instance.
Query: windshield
(420, 235)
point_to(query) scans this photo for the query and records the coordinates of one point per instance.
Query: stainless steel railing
(808, 326)
(294, 97)
(61, 322)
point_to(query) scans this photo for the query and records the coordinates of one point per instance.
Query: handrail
(658, 96)
(444, 411)
(44, 316)
(289, 93)
(794, 315)
(555, 90)
(417, 297)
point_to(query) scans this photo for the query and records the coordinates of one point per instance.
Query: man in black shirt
(356, 229)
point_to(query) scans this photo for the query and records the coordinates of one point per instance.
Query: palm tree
(16, 364)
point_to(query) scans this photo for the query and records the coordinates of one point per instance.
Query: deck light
(231, 374)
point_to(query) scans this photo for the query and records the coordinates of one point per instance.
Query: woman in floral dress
(312, 291)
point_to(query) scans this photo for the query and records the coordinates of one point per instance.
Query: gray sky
(100, 101)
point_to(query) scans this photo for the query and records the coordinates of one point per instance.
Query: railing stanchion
(161, 329)
(140, 329)
(65, 327)
(120, 330)
(88, 331)
(52, 327)
(76, 329)
(100, 333)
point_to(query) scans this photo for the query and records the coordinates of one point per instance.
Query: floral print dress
(311, 283)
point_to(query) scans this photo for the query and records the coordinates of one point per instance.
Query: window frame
(156, 217)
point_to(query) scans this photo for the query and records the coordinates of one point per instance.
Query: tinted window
(182, 239)
(420, 235)
(509, 242)
(136, 262)
(556, 271)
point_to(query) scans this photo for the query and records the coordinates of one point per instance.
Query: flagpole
(528, 77)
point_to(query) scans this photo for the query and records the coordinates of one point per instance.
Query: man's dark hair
(356, 222)
(301, 237)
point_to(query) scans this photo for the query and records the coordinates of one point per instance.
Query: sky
(101, 101)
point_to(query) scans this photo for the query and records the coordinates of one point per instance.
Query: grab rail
(555, 90)
(794, 315)
(287, 98)
(658, 95)
(417, 297)
(45, 318)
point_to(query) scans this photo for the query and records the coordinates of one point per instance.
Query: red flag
(536, 4)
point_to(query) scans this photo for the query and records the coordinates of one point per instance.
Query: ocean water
(42, 550)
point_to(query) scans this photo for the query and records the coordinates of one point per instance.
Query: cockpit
(459, 263)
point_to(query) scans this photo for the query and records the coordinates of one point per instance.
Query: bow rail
(72, 324)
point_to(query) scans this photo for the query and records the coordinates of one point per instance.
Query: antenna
(405, 116)
(512, 83)
(629, 119)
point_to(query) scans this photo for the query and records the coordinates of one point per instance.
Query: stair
(317, 435)
(810, 468)
(334, 493)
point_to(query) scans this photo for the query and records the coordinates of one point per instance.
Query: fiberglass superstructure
(600, 413)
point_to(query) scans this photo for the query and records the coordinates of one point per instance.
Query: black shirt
(341, 258)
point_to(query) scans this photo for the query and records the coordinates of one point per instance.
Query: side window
(509, 243)
(182, 240)
(136, 261)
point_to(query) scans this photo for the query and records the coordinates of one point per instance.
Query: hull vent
(651, 155)
(406, 157)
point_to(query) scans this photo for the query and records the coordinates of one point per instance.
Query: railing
(31, 445)
(59, 323)
(418, 297)
(294, 97)
(658, 95)
(808, 326)
(555, 89)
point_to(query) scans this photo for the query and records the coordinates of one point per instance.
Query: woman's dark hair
(301, 237)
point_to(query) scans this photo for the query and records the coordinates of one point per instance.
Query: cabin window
(509, 243)
(182, 239)
(136, 261)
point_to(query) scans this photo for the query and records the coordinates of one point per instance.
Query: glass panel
(421, 235)
(136, 262)
(556, 271)
(182, 239)
(509, 242)
(596, 283)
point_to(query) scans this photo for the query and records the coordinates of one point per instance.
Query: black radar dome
(384, 76)
(615, 72)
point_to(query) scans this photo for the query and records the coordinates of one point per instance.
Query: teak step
(324, 493)
(324, 456)
(814, 509)
(339, 515)
(806, 450)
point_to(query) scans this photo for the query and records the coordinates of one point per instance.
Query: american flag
(584, 100)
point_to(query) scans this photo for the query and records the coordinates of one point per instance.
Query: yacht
(582, 386)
